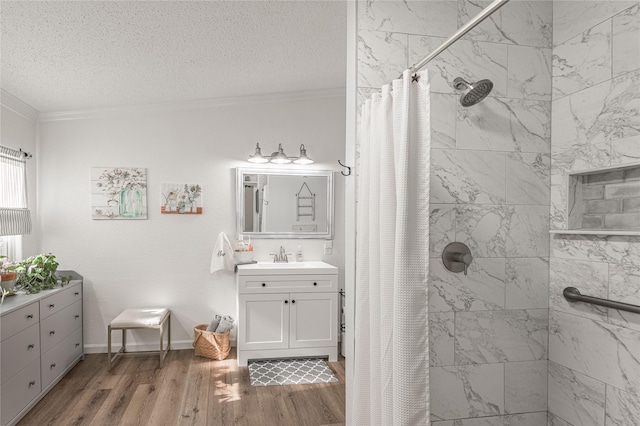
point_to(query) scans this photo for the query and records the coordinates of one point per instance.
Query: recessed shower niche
(605, 201)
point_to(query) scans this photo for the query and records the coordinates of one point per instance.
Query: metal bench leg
(109, 346)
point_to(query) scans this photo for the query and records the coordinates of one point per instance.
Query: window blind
(15, 217)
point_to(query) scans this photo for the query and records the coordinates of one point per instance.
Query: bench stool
(138, 318)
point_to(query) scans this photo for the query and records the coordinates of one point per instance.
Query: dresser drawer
(54, 303)
(18, 351)
(55, 361)
(19, 391)
(280, 283)
(20, 319)
(59, 325)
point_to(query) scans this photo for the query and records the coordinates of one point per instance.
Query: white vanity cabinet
(287, 310)
(41, 341)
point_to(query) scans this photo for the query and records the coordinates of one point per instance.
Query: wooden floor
(189, 390)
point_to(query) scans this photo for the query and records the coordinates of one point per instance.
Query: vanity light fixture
(303, 159)
(279, 157)
(258, 157)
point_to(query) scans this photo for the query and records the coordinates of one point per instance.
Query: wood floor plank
(194, 404)
(132, 371)
(86, 408)
(189, 390)
(55, 404)
(171, 389)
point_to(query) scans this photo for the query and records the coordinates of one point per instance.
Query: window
(15, 218)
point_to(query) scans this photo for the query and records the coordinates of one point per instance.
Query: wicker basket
(209, 344)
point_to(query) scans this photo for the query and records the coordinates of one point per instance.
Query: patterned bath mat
(299, 371)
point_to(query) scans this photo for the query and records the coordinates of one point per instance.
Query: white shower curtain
(391, 360)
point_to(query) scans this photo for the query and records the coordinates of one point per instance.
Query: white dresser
(41, 340)
(287, 310)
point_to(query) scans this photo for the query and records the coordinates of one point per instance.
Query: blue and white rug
(298, 371)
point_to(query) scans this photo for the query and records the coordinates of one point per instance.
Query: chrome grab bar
(572, 294)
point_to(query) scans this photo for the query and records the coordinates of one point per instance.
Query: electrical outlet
(328, 247)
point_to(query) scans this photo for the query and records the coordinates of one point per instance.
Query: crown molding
(18, 106)
(192, 105)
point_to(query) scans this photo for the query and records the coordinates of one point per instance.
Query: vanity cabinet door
(314, 319)
(264, 321)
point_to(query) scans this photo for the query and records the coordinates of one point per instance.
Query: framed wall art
(181, 198)
(118, 193)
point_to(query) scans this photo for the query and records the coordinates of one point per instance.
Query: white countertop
(291, 268)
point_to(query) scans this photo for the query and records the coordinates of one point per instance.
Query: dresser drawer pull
(315, 283)
(293, 301)
(30, 316)
(51, 306)
(76, 293)
(52, 332)
(31, 346)
(77, 345)
(76, 316)
(52, 366)
(264, 284)
(32, 383)
(286, 301)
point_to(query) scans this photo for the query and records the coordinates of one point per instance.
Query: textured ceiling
(70, 55)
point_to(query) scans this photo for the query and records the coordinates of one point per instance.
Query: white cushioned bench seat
(140, 317)
(137, 318)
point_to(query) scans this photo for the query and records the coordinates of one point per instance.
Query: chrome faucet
(280, 257)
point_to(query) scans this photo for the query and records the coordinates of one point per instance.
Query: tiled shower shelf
(604, 201)
(595, 232)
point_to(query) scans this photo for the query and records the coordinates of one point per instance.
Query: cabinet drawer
(54, 303)
(56, 361)
(20, 319)
(59, 325)
(280, 283)
(19, 391)
(18, 351)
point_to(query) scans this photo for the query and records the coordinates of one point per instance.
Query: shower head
(475, 91)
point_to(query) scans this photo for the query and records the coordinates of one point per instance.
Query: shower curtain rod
(486, 12)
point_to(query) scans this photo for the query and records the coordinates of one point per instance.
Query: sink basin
(283, 265)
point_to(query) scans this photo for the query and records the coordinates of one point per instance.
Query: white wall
(18, 131)
(164, 261)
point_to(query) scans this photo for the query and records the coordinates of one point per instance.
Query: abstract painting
(181, 198)
(118, 193)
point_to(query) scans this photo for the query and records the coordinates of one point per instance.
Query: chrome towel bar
(572, 294)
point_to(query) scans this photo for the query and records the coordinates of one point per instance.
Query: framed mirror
(278, 203)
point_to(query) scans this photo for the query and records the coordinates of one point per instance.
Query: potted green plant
(7, 276)
(37, 273)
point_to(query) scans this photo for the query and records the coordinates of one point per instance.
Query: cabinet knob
(52, 366)
(293, 301)
(32, 383)
(31, 346)
(52, 306)
(286, 301)
(315, 283)
(76, 316)
(264, 284)
(30, 316)
(77, 344)
(76, 293)
(52, 332)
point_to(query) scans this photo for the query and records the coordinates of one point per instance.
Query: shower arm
(484, 14)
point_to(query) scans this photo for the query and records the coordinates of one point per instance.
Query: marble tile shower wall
(490, 189)
(594, 361)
